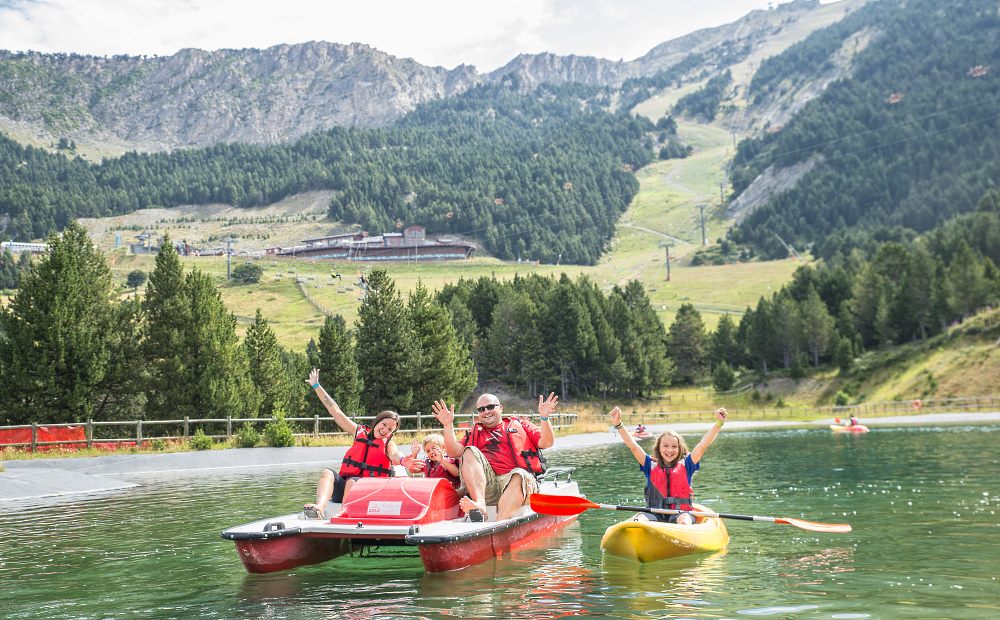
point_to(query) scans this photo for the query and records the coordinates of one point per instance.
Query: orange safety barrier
(45, 434)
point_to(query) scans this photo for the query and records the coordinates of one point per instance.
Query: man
(500, 456)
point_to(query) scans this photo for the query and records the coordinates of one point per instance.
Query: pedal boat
(397, 512)
(651, 541)
(857, 428)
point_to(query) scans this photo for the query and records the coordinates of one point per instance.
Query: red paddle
(564, 505)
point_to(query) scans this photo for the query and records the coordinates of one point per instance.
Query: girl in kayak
(373, 453)
(668, 472)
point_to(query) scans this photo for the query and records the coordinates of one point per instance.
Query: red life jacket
(366, 458)
(669, 489)
(437, 470)
(527, 455)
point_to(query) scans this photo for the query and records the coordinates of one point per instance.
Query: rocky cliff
(199, 98)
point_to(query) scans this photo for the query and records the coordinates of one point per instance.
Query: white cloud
(433, 32)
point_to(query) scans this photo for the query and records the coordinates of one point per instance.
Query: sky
(445, 33)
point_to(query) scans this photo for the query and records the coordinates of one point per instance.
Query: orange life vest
(526, 452)
(366, 458)
(669, 489)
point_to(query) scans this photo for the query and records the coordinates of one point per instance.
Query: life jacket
(366, 458)
(669, 489)
(526, 453)
(433, 469)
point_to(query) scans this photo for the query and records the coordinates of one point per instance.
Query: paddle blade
(826, 528)
(559, 505)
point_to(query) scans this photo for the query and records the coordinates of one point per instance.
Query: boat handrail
(555, 473)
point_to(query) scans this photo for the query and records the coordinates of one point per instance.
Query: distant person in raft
(372, 455)
(668, 475)
(500, 456)
(436, 463)
(640, 429)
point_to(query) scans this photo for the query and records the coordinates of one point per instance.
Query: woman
(373, 453)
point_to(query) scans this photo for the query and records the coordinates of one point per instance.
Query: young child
(668, 472)
(437, 464)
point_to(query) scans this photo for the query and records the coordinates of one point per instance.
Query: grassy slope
(668, 202)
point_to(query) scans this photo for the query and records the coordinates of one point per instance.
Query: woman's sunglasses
(489, 407)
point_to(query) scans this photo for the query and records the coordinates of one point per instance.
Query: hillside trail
(669, 198)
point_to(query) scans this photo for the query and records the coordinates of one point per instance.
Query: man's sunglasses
(489, 407)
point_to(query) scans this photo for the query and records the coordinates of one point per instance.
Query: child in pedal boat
(668, 472)
(437, 464)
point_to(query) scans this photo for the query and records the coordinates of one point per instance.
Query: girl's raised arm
(720, 418)
(345, 423)
(616, 421)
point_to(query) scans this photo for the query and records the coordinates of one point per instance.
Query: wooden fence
(140, 431)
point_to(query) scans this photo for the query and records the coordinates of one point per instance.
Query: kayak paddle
(565, 505)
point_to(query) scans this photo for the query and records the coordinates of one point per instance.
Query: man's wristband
(315, 386)
(619, 425)
(543, 418)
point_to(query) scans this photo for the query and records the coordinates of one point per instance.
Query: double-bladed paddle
(564, 505)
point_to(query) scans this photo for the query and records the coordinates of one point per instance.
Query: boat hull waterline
(394, 512)
(651, 541)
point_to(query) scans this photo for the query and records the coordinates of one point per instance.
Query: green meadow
(295, 294)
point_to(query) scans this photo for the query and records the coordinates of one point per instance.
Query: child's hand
(616, 416)
(415, 449)
(415, 466)
(721, 414)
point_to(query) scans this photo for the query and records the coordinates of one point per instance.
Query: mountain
(198, 98)
(906, 138)
(110, 105)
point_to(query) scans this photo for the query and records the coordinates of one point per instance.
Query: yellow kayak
(650, 541)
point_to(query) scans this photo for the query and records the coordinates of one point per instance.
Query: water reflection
(549, 577)
(924, 544)
(680, 585)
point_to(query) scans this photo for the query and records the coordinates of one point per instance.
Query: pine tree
(168, 316)
(267, 372)
(386, 347)
(55, 337)
(646, 355)
(217, 377)
(817, 325)
(787, 324)
(686, 342)
(338, 366)
(446, 370)
(722, 346)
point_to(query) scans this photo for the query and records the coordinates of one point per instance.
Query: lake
(923, 503)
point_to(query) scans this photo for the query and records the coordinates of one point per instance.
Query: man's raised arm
(446, 417)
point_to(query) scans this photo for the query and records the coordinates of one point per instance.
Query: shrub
(723, 377)
(158, 444)
(247, 273)
(842, 399)
(247, 436)
(278, 433)
(201, 441)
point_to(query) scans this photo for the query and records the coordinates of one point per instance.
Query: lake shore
(69, 478)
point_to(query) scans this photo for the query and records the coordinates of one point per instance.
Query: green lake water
(923, 502)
